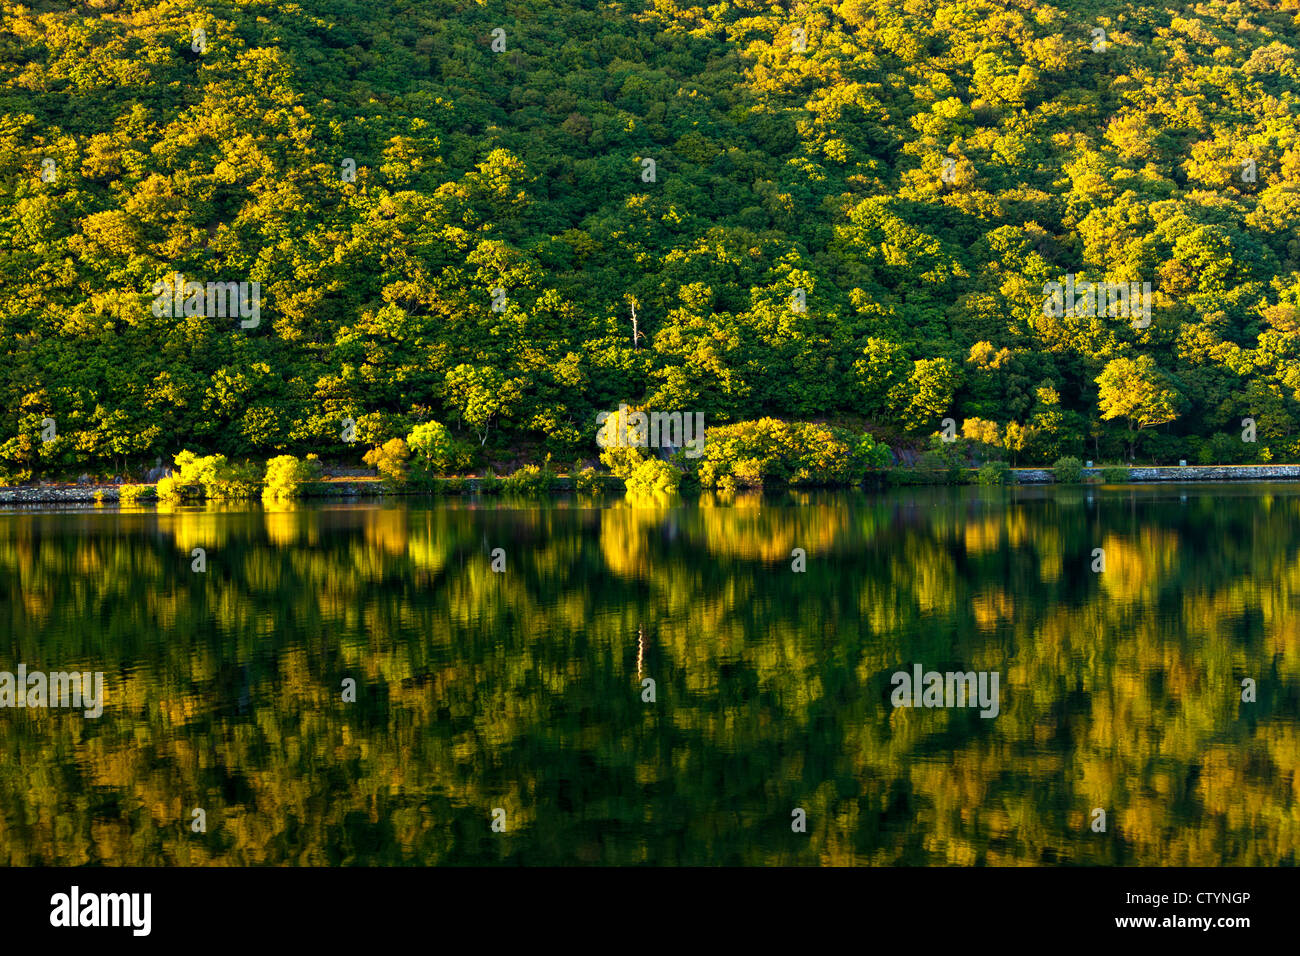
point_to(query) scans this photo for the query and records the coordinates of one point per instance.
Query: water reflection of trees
(482, 690)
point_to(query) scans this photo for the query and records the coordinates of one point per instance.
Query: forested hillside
(851, 214)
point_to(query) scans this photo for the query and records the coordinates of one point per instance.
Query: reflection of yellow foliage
(386, 529)
(1136, 568)
(623, 534)
(284, 522)
(193, 527)
(983, 536)
(992, 606)
(715, 499)
(34, 605)
(771, 534)
(1102, 705)
(653, 499)
(1220, 781)
(1097, 785)
(997, 531)
(932, 574)
(427, 548)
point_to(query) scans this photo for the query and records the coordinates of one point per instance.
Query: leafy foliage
(391, 460)
(285, 475)
(209, 477)
(529, 481)
(1067, 471)
(588, 482)
(768, 451)
(434, 450)
(994, 473)
(130, 494)
(861, 229)
(1115, 474)
(653, 477)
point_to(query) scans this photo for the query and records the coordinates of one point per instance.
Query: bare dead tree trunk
(636, 331)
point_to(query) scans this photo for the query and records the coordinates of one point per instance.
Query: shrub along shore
(767, 453)
(602, 484)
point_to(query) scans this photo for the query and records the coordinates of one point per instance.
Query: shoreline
(1155, 474)
(374, 487)
(343, 489)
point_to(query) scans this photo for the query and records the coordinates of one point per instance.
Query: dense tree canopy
(840, 212)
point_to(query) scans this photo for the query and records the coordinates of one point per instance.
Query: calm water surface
(522, 690)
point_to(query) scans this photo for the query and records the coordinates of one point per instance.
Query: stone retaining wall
(1031, 476)
(78, 494)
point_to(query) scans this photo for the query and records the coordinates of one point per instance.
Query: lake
(503, 716)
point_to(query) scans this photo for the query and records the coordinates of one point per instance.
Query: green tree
(1136, 389)
(433, 448)
(928, 394)
(478, 395)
